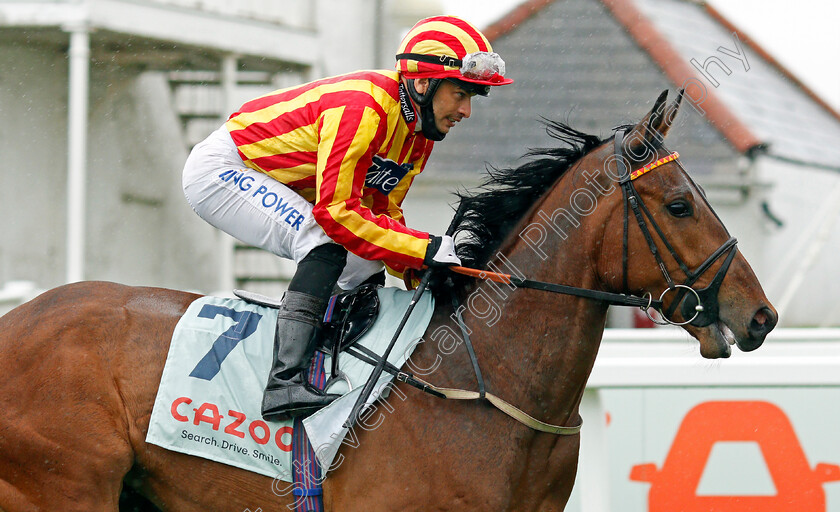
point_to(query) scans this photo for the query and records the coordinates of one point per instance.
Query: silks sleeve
(348, 138)
(396, 197)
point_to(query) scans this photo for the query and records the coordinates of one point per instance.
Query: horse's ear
(670, 114)
(651, 130)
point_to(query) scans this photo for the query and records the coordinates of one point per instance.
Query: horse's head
(661, 238)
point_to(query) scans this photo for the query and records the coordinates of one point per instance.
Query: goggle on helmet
(449, 47)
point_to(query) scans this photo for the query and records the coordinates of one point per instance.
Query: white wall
(33, 105)
(140, 230)
(346, 36)
(802, 198)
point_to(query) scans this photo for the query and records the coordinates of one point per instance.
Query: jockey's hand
(441, 252)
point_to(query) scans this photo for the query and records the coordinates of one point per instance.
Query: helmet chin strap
(427, 115)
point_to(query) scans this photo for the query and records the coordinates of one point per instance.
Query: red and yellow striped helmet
(449, 47)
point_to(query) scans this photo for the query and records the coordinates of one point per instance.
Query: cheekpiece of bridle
(699, 307)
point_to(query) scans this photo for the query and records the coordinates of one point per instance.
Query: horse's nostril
(762, 322)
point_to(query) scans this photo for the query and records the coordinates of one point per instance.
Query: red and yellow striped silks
(320, 139)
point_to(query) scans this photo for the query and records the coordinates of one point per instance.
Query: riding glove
(441, 252)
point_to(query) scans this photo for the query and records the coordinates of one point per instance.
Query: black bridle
(700, 307)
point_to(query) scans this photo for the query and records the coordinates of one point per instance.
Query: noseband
(701, 307)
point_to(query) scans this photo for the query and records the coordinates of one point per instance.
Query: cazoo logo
(674, 487)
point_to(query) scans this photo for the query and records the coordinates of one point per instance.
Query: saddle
(348, 317)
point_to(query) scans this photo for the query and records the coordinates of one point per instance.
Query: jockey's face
(450, 104)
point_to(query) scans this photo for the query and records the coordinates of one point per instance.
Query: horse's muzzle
(763, 321)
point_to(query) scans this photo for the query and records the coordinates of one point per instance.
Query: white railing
(669, 358)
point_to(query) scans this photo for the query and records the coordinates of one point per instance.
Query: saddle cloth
(208, 402)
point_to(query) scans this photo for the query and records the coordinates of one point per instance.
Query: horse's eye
(679, 208)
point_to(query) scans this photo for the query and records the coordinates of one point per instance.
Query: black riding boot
(288, 394)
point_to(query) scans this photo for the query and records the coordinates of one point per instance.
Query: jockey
(317, 173)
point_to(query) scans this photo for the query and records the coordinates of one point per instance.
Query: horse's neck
(544, 345)
(535, 348)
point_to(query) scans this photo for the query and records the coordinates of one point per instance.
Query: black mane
(487, 216)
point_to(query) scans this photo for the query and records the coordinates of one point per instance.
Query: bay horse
(83, 361)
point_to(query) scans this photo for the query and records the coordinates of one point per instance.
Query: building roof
(572, 61)
(167, 35)
(736, 86)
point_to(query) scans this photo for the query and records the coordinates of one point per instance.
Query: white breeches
(257, 209)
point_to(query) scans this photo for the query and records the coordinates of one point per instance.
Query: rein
(700, 305)
(613, 299)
